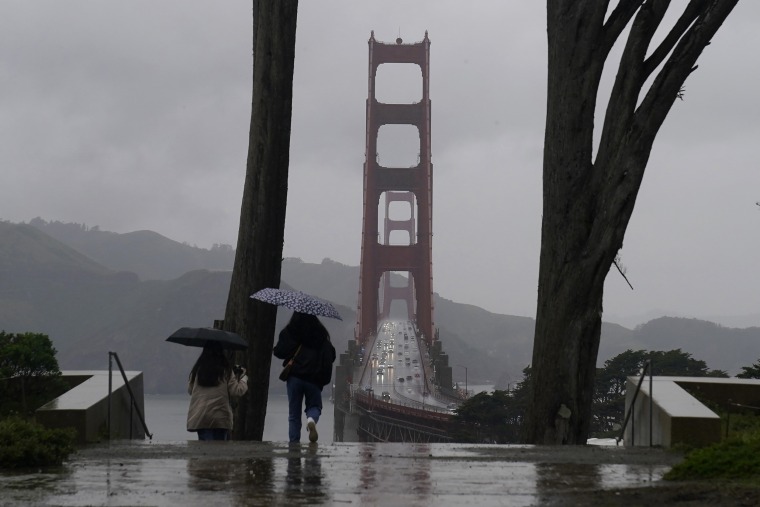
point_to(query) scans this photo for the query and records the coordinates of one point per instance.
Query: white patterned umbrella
(297, 301)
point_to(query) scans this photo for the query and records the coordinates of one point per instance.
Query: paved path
(256, 473)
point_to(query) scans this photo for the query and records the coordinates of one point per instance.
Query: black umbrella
(199, 336)
(297, 301)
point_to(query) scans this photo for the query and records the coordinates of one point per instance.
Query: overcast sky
(134, 115)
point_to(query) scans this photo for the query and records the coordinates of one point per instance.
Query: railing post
(633, 422)
(131, 397)
(728, 416)
(110, 372)
(650, 402)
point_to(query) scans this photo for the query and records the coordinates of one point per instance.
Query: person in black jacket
(307, 341)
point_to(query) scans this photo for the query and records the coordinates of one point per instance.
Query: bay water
(166, 418)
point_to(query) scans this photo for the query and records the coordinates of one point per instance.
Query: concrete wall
(85, 407)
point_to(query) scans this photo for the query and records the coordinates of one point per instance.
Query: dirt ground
(686, 494)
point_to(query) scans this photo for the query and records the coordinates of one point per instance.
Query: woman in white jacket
(211, 386)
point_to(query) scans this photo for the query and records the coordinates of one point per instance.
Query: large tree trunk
(588, 203)
(258, 258)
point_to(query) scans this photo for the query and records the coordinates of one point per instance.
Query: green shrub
(24, 443)
(29, 373)
(736, 458)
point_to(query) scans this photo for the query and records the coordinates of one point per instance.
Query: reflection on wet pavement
(251, 473)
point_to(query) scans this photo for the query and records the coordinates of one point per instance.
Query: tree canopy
(496, 417)
(752, 371)
(29, 372)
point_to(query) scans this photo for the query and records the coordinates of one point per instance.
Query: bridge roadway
(397, 368)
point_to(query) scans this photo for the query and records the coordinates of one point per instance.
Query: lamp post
(466, 390)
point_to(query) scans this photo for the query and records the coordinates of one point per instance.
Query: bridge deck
(396, 369)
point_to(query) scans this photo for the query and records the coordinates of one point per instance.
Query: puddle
(267, 474)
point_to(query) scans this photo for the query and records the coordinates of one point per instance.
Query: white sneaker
(311, 425)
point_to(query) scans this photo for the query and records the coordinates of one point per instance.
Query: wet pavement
(262, 473)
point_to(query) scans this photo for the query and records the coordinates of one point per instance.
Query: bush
(736, 458)
(29, 373)
(24, 443)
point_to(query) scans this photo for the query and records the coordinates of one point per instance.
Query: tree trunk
(258, 258)
(587, 203)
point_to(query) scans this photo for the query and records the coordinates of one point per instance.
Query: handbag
(285, 373)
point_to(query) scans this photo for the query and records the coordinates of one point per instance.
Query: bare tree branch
(688, 17)
(682, 62)
(630, 77)
(621, 270)
(618, 20)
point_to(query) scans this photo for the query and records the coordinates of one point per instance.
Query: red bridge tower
(412, 185)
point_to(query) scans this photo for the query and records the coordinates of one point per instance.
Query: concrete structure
(677, 415)
(85, 406)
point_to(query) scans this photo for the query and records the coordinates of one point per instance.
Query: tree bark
(258, 257)
(587, 203)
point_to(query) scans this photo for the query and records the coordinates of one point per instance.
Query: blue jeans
(214, 434)
(298, 391)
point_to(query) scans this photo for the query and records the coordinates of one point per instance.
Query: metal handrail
(647, 366)
(111, 356)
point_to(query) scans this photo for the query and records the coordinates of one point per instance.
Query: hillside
(723, 348)
(145, 253)
(89, 308)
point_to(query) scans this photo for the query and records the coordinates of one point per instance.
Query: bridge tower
(412, 185)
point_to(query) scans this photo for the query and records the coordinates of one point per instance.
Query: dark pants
(298, 391)
(214, 434)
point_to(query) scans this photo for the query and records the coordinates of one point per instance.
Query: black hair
(308, 329)
(212, 367)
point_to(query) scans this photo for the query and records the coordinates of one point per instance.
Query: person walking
(211, 386)
(306, 342)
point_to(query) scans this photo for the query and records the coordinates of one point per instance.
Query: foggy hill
(89, 308)
(722, 348)
(148, 254)
(46, 285)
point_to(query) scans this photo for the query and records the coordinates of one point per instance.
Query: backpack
(326, 358)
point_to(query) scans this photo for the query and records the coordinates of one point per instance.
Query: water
(166, 417)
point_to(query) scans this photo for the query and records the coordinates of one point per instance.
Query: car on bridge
(386, 396)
